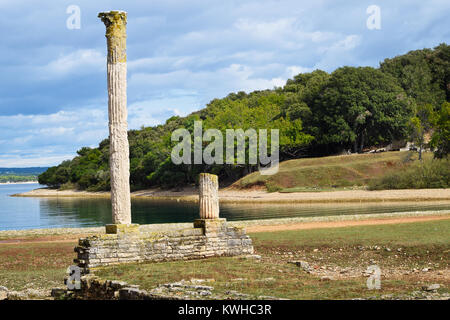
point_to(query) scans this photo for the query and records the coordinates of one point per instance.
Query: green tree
(301, 92)
(441, 136)
(420, 124)
(358, 107)
(422, 74)
(317, 114)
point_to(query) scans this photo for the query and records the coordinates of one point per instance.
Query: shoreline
(258, 196)
(257, 225)
(24, 182)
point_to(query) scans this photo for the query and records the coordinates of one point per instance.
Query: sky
(181, 55)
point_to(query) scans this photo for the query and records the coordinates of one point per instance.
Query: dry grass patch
(329, 173)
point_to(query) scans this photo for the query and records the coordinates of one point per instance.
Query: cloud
(83, 61)
(24, 161)
(46, 139)
(52, 136)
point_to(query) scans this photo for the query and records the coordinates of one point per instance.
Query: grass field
(38, 266)
(341, 255)
(329, 173)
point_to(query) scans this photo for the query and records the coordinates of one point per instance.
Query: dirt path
(340, 224)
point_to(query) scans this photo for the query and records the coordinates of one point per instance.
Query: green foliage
(420, 124)
(272, 187)
(430, 173)
(441, 136)
(316, 113)
(358, 107)
(423, 74)
(258, 110)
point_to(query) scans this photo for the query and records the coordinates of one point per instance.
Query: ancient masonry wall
(208, 238)
(94, 288)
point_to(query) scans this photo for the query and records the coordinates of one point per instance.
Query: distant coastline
(22, 182)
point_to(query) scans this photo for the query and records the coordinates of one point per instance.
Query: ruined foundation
(208, 238)
(123, 242)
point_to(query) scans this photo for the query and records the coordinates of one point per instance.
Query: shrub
(430, 173)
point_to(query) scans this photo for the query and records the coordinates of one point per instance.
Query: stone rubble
(94, 288)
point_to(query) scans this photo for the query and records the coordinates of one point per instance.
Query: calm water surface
(32, 213)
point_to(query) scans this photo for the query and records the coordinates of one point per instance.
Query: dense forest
(317, 113)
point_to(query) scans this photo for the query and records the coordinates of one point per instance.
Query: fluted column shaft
(209, 196)
(115, 22)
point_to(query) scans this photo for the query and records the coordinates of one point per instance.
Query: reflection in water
(30, 213)
(270, 211)
(95, 212)
(75, 211)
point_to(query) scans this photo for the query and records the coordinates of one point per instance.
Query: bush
(272, 187)
(428, 174)
(68, 186)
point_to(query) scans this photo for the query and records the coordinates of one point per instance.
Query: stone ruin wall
(208, 238)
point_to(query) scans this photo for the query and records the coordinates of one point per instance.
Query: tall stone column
(115, 22)
(209, 196)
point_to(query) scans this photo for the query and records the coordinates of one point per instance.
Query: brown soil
(45, 239)
(340, 224)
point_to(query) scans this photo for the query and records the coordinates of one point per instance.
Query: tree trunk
(361, 147)
(422, 138)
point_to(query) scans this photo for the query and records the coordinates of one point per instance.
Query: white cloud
(290, 33)
(34, 161)
(40, 138)
(81, 61)
(205, 85)
(348, 43)
(36, 140)
(292, 71)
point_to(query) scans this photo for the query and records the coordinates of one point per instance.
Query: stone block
(122, 229)
(210, 224)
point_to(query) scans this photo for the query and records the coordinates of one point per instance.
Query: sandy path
(230, 196)
(340, 224)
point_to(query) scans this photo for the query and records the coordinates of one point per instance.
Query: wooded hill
(317, 113)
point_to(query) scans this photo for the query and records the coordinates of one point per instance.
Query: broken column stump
(208, 196)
